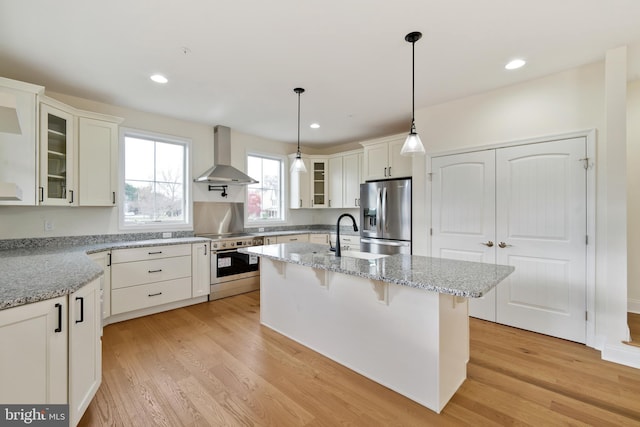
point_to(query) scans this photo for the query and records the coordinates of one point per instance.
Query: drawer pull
(155, 271)
(155, 295)
(155, 253)
(59, 328)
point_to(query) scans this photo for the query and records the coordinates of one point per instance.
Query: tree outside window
(265, 199)
(154, 181)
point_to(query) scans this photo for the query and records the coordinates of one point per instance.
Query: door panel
(464, 215)
(541, 218)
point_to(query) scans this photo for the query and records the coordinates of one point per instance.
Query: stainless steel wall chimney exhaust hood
(222, 173)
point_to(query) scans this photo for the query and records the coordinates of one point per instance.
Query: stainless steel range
(232, 272)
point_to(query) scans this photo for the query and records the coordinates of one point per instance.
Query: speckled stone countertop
(460, 278)
(30, 275)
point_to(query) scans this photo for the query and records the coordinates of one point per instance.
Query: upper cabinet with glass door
(319, 183)
(57, 157)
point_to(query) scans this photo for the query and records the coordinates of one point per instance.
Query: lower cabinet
(292, 238)
(323, 239)
(200, 270)
(85, 348)
(33, 354)
(52, 351)
(347, 242)
(150, 276)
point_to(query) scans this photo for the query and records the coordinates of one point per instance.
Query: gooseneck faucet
(355, 228)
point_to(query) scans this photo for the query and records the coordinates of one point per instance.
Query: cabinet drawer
(155, 270)
(152, 294)
(153, 252)
(293, 238)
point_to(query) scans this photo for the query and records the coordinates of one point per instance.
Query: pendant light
(298, 163)
(413, 144)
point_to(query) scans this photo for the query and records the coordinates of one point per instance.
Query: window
(155, 188)
(265, 202)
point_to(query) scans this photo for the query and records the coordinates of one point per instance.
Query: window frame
(283, 188)
(187, 224)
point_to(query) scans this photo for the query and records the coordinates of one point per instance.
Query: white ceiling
(246, 56)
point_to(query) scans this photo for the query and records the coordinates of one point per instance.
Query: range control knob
(224, 245)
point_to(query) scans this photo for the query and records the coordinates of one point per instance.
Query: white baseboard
(623, 354)
(633, 305)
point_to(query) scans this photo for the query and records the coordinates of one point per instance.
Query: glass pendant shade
(298, 165)
(412, 145)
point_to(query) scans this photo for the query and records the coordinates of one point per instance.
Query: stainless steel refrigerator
(385, 216)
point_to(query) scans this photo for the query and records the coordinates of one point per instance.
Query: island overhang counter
(400, 320)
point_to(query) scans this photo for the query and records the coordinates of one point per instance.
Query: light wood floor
(214, 364)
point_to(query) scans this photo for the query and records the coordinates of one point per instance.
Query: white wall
(633, 195)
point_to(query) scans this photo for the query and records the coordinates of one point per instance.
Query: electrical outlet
(48, 225)
(166, 235)
(261, 229)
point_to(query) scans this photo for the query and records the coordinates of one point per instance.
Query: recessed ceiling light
(159, 78)
(314, 125)
(516, 63)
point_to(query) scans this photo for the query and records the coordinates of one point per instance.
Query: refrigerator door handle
(384, 210)
(379, 217)
(384, 243)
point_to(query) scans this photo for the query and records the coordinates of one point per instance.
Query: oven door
(232, 265)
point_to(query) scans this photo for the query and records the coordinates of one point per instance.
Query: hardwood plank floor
(213, 364)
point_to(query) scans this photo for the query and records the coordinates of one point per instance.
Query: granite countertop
(460, 278)
(35, 274)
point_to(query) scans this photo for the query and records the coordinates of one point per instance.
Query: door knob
(503, 245)
(488, 244)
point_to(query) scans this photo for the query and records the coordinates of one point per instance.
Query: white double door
(523, 206)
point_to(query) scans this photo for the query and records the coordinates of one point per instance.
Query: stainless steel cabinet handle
(503, 245)
(488, 244)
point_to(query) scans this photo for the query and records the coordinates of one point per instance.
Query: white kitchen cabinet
(19, 152)
(104, 260)
(150, 276)
(336, 186)
(85, 348)
(351, 179)
(200, 269)
(347, 242)
(319, 183)
(300, 193)
(33, 354)
(382, 159)
(58, 148)
(292, 238)
(322, 238)
(97, 161)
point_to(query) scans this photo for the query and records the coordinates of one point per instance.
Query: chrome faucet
(355, 228)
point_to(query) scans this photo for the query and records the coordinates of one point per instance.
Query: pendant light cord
(413, 86)
(298, 124)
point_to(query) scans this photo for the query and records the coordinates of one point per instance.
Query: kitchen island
(400, 320)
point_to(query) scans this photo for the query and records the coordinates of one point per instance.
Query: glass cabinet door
(56, 157)
(319, 183)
